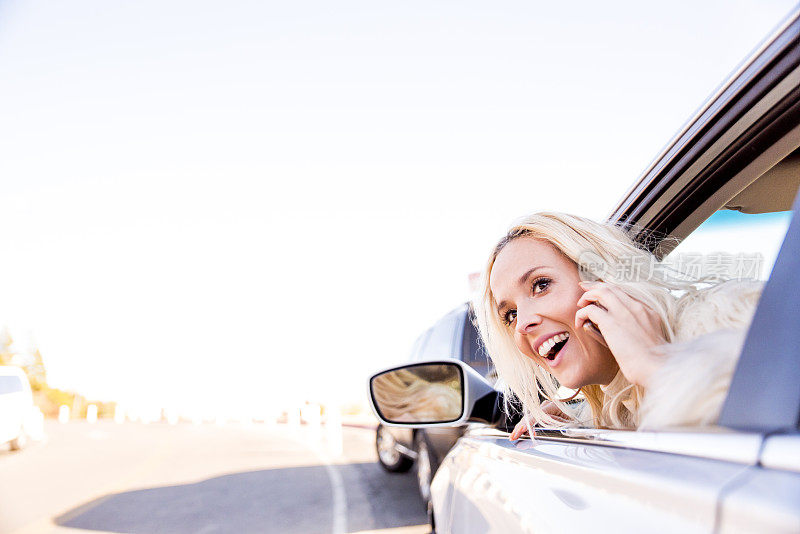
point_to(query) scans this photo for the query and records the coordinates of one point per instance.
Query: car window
(732, 244)
(472, 350)
(10, 384)
(769, 354)
(417, 352)
(443, 339)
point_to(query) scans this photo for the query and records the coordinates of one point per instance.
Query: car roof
(11, 370)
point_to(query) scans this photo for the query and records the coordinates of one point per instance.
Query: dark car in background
(399, 449)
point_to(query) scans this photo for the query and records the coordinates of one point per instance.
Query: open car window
(769, 356)
(741, 239)
(733, 245)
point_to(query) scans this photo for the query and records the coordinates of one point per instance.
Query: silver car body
(615, 481)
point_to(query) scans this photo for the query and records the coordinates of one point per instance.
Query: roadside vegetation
(47, 398)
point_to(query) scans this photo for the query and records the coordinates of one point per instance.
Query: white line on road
(339, 499)
(337, 486)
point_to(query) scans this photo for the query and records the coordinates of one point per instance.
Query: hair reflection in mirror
(422, 393)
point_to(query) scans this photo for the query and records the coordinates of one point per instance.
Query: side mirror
(436, 393)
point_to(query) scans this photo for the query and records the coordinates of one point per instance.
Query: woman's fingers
(621, 306)
(645, 316)
(599, 293)
(548, 407)
(595, 314)
(613, 297)
(520, 429)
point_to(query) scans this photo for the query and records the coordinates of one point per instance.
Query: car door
(742, 475)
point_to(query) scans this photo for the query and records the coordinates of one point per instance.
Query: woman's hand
(522, 427)
(631, 329)
(520, 430)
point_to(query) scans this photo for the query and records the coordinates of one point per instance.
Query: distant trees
(5, 347)
(47, 398)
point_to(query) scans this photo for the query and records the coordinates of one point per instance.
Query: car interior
(772, 191)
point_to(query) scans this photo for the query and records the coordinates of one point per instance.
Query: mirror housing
(433, 393)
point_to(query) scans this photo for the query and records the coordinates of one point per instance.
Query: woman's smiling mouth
(551, 346)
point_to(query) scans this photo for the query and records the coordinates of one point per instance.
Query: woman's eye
(510, 316)
(540, 285)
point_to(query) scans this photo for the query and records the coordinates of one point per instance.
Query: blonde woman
(666, 347)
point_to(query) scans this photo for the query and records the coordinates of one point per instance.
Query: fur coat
(690, 387)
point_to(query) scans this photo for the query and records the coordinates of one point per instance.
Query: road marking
(339, 499)
(337, 485)
(155, 459)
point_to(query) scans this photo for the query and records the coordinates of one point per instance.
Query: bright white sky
(213, 203)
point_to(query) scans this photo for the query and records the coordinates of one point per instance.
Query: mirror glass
(420, 393)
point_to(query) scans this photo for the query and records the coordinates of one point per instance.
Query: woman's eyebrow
(528, 273)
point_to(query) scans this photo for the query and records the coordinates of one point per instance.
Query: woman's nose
(527, 321)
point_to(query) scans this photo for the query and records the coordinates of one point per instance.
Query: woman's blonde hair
(603, 252)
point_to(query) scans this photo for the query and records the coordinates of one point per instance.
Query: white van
(19, 418)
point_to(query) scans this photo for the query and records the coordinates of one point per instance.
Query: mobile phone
(593, 331)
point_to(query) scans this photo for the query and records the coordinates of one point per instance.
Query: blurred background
(234, 208)
(229, 211)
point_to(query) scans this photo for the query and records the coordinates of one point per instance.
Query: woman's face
(536, 290)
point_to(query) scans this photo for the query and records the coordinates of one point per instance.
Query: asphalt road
(154, 479)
